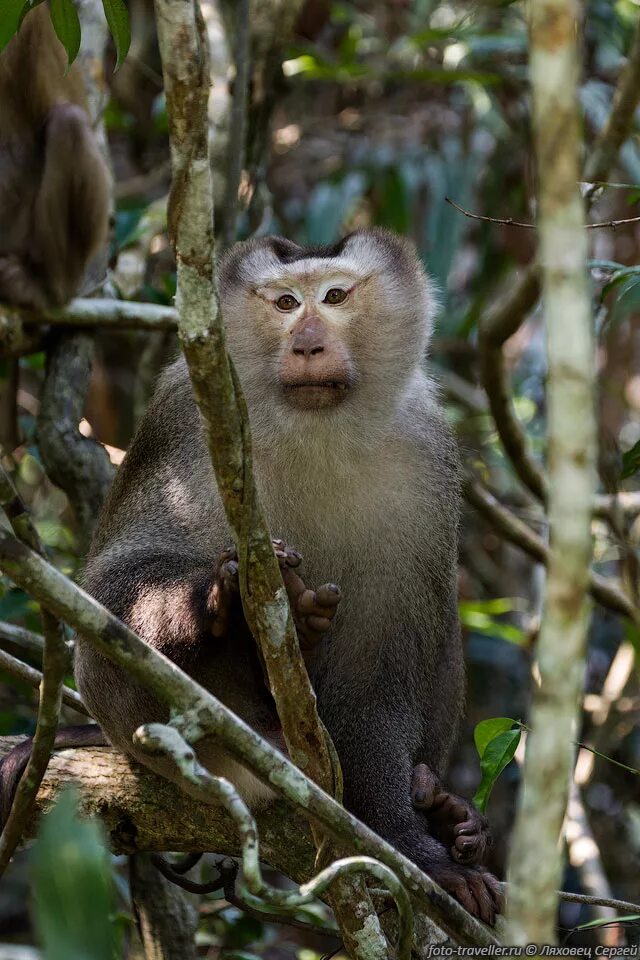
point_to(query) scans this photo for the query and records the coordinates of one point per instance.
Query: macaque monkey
(54, 183)
(356, 469)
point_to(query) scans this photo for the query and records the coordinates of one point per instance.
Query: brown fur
(54, 183)
(367, 489)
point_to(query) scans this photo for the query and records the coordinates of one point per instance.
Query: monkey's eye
(335, 296)
(287, 302)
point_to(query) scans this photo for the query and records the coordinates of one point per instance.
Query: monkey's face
(325, 331)
(307, 314)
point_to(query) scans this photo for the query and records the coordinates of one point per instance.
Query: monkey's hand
(313, 610)
(225, 592)
(452, 819)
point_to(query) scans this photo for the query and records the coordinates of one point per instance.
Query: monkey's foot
(313, 610)
(452, 819)
(475, 888)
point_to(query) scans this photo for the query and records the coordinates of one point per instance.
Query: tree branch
(94, 312)
(78, 465)
(505, 319)
(623, 109)
(55, 665)
(22, 671)
(512, 528)
(238, 122)
(510, 222)
(535, 861)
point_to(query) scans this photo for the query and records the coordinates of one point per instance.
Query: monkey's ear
(249, 259)
(285, 250)
(379, 240)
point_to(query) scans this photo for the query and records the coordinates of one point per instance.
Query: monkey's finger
(424, 786)
(318, 624)
(286, 555)
(470, 827)
(294, 585)
(229, 553)
(328, 595)
(308, 603)
(468, 849)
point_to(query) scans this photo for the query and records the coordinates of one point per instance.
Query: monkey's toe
(475, 888)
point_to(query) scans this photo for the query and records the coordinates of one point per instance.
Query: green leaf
(487, 730)
(631, 461)
(602, 921)
(66, 24)
(12, 13)
(496, 755)
(118, 20)
(629, 298)
(73, 887)
(479, 616)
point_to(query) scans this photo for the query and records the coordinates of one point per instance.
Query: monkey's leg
(71, 212)
(369, 736)
(452, 819)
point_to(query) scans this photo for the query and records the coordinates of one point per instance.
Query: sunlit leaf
(487, 730)
(479, 616)
(66, 24)
(496, 755)
(118, 21)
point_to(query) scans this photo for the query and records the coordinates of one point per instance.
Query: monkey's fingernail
(231, 567)
(278, 543)
(419, 796)
(294, 559)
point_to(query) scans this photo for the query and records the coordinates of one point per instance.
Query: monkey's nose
(308, 338)
(306, 348)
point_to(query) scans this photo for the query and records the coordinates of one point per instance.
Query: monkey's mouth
(316, 394)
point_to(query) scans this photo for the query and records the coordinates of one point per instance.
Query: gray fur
(367, 491)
